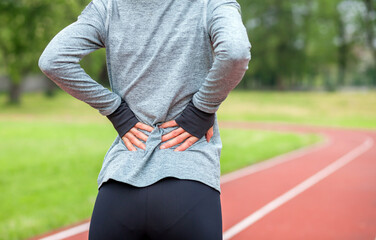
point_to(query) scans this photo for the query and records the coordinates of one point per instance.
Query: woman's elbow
(50, 61)
(236, 52)
(239, 52)
(44, 63)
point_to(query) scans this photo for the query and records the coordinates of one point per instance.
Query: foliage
(25, 29)
(299, 44)
(296, 42)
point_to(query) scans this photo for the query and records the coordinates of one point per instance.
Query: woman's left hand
(179, 135)
(132, 137)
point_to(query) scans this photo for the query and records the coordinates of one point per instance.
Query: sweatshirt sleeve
(60, 62)
(60, 59)
(232, 54)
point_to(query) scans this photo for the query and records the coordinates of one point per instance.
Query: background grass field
(51, 150)
(344, 109)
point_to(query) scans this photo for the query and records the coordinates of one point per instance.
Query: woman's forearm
(60, 61)
(232, 55)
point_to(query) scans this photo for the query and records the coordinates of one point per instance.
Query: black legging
(170, 209)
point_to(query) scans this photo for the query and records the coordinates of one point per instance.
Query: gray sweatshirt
(160, 56)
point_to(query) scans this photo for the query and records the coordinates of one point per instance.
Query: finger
(187, 143)
(135, 140)
(143, 126)
(209, 134)
(172, 134)
(171, 123)
(176, 140)
(139, 134)
(128, 144)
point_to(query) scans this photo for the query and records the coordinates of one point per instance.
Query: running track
(324, 191)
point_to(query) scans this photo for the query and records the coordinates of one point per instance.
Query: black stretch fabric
(170, 209)
(192, 120)
(195, 121)
(123, 119)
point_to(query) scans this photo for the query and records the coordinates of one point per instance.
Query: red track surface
(341, 205)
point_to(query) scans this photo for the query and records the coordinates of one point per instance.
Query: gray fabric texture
(160, 55)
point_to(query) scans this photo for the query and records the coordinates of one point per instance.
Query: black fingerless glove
(123, 118)
(195, 121)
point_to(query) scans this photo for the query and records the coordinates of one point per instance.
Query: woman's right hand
(133, 136)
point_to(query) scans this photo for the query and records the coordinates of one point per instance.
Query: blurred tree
(18, 36)
(25, 29)
(295, 43)
(278, 33)
(343, 47)
(301, 41)
(369, 25)
(360, 19)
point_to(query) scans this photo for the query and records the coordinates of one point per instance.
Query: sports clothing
(169, 209)
(161, 55)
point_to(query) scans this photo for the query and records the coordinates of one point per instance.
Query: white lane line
(276, 160)
(245, 223)
(225, 178)
(69, 232)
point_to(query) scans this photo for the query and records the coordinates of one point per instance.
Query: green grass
(245, 147)
(49, 170)
(343, 109)
(51, 150)
(48, 174)
(61, 108)
(340, 109)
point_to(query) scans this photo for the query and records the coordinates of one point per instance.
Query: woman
(171, 64)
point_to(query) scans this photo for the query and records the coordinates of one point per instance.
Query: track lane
(286, 227)
(243, 195)
(341, 206)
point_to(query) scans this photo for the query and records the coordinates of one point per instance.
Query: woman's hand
(179, 135)
(132, 137)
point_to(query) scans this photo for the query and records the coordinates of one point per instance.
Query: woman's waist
(154, 139)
